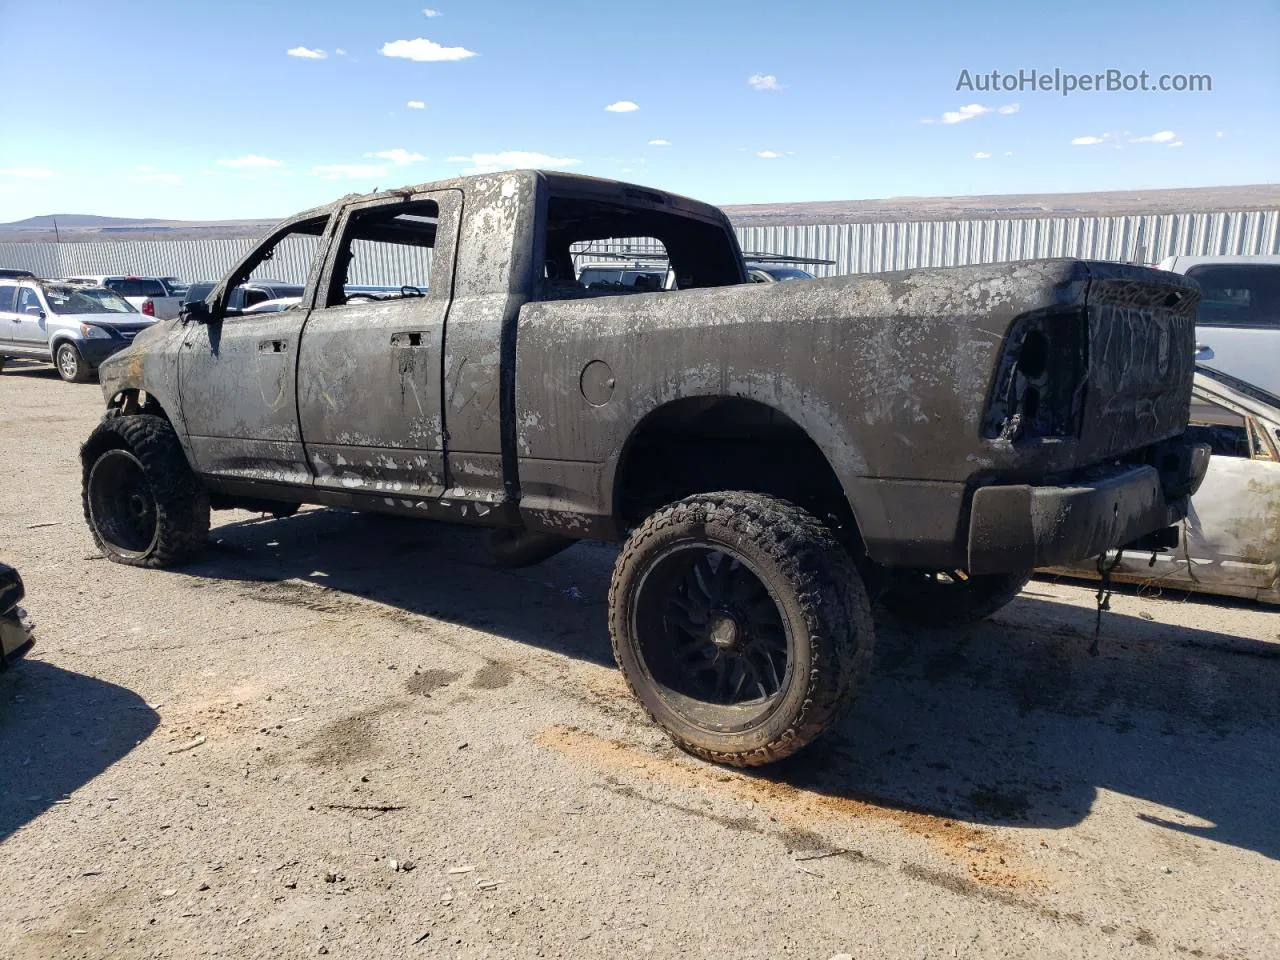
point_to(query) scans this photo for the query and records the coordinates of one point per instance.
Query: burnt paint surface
(369, 378)
(890, 375)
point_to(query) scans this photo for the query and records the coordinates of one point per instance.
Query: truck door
(369, 370)
(237, 373)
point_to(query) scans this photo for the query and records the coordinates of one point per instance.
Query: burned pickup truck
(763, 452)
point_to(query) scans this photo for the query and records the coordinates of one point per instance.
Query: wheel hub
(725, 632)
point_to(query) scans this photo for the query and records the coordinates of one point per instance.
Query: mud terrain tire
(144, 505)
(926, 599)
(781, 592)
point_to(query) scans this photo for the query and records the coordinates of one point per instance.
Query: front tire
(144, 505)
(740, 624)
(70, 364)
(949, 598)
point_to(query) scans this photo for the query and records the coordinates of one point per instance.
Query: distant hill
(74, 227)
(1012, 206)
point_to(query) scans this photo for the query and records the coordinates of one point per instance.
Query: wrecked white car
(1229, 543)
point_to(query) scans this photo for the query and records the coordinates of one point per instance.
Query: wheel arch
(704, 443)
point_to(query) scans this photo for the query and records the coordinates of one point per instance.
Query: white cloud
(432, 13)
(982, 155)
(1008, 153)
(156, 178)
(626, 170)
(1219, 134)
(623, 106)
(659, 143)
(27, 173)
(1163, 136)
(768, 155)
(511, 160)
(424, 51)
(306, 53)
(967, 112)
(250, 161)
(1087, 141)
(347, 171)
(764, 81)
(340, 52)
(416, 105)
(1176, 143)
(399, 157)
(971, 110)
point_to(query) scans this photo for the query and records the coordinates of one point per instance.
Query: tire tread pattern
(182, 503)
(835, 607)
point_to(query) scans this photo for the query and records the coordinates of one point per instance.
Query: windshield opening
(72, 300)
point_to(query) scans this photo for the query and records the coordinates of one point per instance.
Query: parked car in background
(246, 295)
(1230, 541)
(151, 296)
(633, 274)
(1238, 321)
(15, 627)
(273, 306)
(8, 273)
(73, 326)
(772, 273)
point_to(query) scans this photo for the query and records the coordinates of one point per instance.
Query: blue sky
(258, 108)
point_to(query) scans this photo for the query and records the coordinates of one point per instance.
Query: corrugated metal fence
(855, 247)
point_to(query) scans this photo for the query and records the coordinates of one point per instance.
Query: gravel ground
(353, 736)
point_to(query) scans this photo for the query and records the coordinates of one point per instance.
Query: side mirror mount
(34, 312)
(196, 310)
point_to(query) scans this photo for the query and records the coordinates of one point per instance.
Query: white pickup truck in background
(1238, 320)
(152, 296)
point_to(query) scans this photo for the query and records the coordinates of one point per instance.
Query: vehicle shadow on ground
(59, 730)
(29, 369)
(1009, 722)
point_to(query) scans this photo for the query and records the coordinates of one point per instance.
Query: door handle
(272, 346)
(412, 338)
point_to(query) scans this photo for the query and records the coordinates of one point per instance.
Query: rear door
(369, 371)
(1238, 321)
(238, 373)
(8, 318)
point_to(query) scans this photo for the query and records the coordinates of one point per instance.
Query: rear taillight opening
(1039, 389)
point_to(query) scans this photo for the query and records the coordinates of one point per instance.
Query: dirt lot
(350, 736)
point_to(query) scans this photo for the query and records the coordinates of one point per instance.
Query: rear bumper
(1021, 526)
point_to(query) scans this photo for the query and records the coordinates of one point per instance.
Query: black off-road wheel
(740, 624)
(70, 364)
(144, 505)
(948, 598)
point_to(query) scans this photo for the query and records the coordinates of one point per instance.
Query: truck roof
(573, 184)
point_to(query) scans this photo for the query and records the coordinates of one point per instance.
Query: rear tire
(926, 598)
(144, 505)
(740, 625)
(71, 366)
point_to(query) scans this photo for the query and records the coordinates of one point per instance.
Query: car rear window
(1238, 294)
(140, 287)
